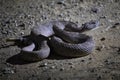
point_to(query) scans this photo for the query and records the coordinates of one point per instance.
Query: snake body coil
(64, 37)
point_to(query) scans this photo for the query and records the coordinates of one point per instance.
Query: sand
(17, 17)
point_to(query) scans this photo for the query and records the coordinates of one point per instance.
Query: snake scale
(64, 37)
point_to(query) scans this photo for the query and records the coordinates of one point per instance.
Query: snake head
(93, 24)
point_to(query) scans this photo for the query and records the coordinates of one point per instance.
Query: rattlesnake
(64, 37)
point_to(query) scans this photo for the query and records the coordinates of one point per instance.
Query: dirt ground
(17, 17)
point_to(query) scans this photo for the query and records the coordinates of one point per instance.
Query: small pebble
(103, 46)
(52, 67)
(108, 27)
(4, 32)
(95, 10)
(99, 78)
(102, 39)
(105, 71)
(98, 48)
(41, 6)
(61, 15)
(72, 66)
(90, 58)
(61, 2)
(82, 60)
(111, 21)
(62, 69)
(92, 70)
(66, 19)
(81, 0)
(106, 61)
(51, 4)
(102, 17)
(3, 24)
(7, 22)
(70, 63)
(22, 33)
(21, 25)
(8, 71)
(118, 50)
(115, 25)
(43, 65)
(44, 17)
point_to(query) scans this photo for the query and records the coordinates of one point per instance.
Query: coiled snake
(64, 37)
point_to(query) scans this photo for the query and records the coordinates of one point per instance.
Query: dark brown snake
(64, 37)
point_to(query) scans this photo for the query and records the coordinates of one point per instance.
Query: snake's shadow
(17, 60)
(54, 56)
